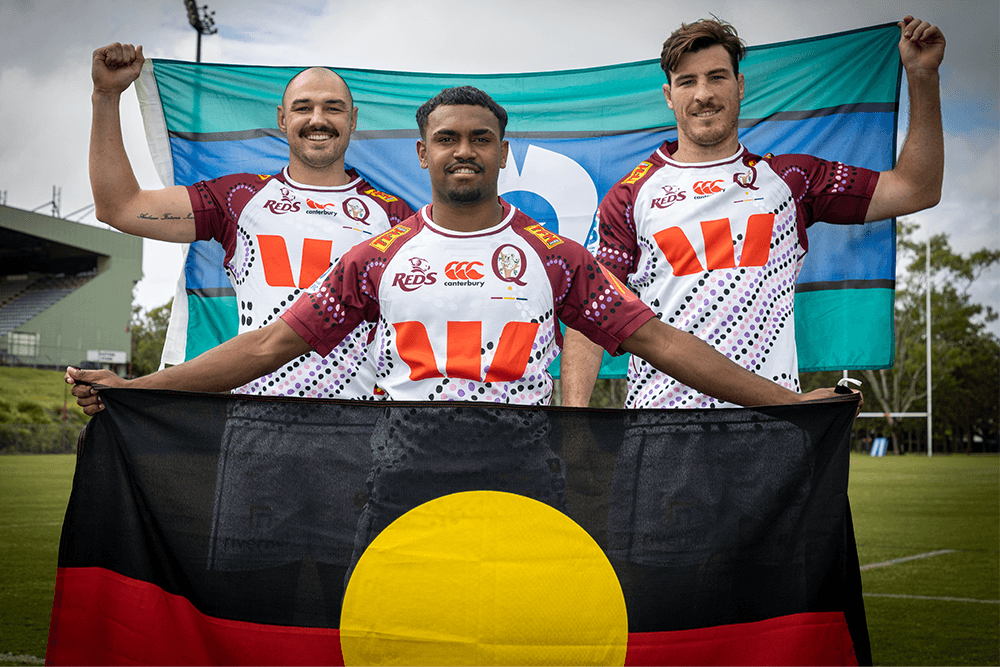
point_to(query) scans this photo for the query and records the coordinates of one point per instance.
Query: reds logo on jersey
(671, 195)
(420, 274)
(286, 205)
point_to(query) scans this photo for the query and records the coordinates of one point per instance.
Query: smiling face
(705, 94)
(317, 116)
(463, 154)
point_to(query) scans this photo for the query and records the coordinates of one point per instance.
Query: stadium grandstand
(65, 292)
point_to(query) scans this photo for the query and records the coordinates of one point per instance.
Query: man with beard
(681, 231)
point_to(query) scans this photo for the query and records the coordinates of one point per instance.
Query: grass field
(940, 608)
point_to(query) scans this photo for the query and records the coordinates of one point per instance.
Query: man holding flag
(305, 217)
(712, 237)
(497, 328)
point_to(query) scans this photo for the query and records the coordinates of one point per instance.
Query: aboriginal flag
(218, 529)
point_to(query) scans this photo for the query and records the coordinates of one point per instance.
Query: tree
(149, 331)
(965, 355)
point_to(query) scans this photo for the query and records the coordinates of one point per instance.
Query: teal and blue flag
(573, 134)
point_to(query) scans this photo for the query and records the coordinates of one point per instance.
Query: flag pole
(930, 448)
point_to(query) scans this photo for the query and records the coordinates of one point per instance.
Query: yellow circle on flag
(484, 578)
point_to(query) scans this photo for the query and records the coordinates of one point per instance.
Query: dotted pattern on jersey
(240, 208)
(740, 312)
(744, 312)
(562, 279)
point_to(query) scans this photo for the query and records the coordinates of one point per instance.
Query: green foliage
(37, 412)
(965, 355)
(149, 331)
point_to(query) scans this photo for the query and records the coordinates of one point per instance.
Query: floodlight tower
(201, 20)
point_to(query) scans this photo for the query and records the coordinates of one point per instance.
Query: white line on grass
(28, 525)
(928, 597)
(896, 561)
(21, 659)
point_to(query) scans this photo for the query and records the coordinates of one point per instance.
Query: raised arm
(232, 364)
(164, 214)
(579, 365)
(915, 182)
(688, 359)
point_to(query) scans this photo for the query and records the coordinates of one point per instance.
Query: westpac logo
(719, 245)
(316, 255)
(464, 274)
(286, 205)
(464, 351)
(420, 274)
(671, 195)
(707, 188)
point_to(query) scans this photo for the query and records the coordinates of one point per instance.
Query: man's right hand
(115, 67)
(86, 396)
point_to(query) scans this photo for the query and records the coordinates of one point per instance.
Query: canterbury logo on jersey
(463, 271)
(719, 250)
(465, 351)
(706, 188)
(316, 255)
(383, 241)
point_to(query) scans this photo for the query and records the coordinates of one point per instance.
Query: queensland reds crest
(356, 209)
(286, 205)
(671, 195)
(509, 264)
(420, 274)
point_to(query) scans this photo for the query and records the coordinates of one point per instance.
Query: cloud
(46, 51)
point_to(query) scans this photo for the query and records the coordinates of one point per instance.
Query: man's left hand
(921, 46)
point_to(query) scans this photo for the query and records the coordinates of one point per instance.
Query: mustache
(465, 163)
(319, 128)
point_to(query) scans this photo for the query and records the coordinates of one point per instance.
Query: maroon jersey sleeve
(587, 297)
(617, 248)
(326, 313)
(826, 191)
(217, 205)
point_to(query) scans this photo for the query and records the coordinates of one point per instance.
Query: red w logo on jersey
(465, 346)
(278, 267)
(719, 253)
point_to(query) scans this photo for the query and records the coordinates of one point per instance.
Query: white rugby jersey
(467, 316)
(279, 237)
(715, 249)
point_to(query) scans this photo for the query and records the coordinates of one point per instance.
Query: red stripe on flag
(103, 618)
(100, 617)
(820, 638)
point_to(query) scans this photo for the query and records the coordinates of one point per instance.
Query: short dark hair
(701, 35)
(350, 96)
(459, 96)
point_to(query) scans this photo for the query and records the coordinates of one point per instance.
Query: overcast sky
(46, 51)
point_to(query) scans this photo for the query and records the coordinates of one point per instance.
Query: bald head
(316, 77)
